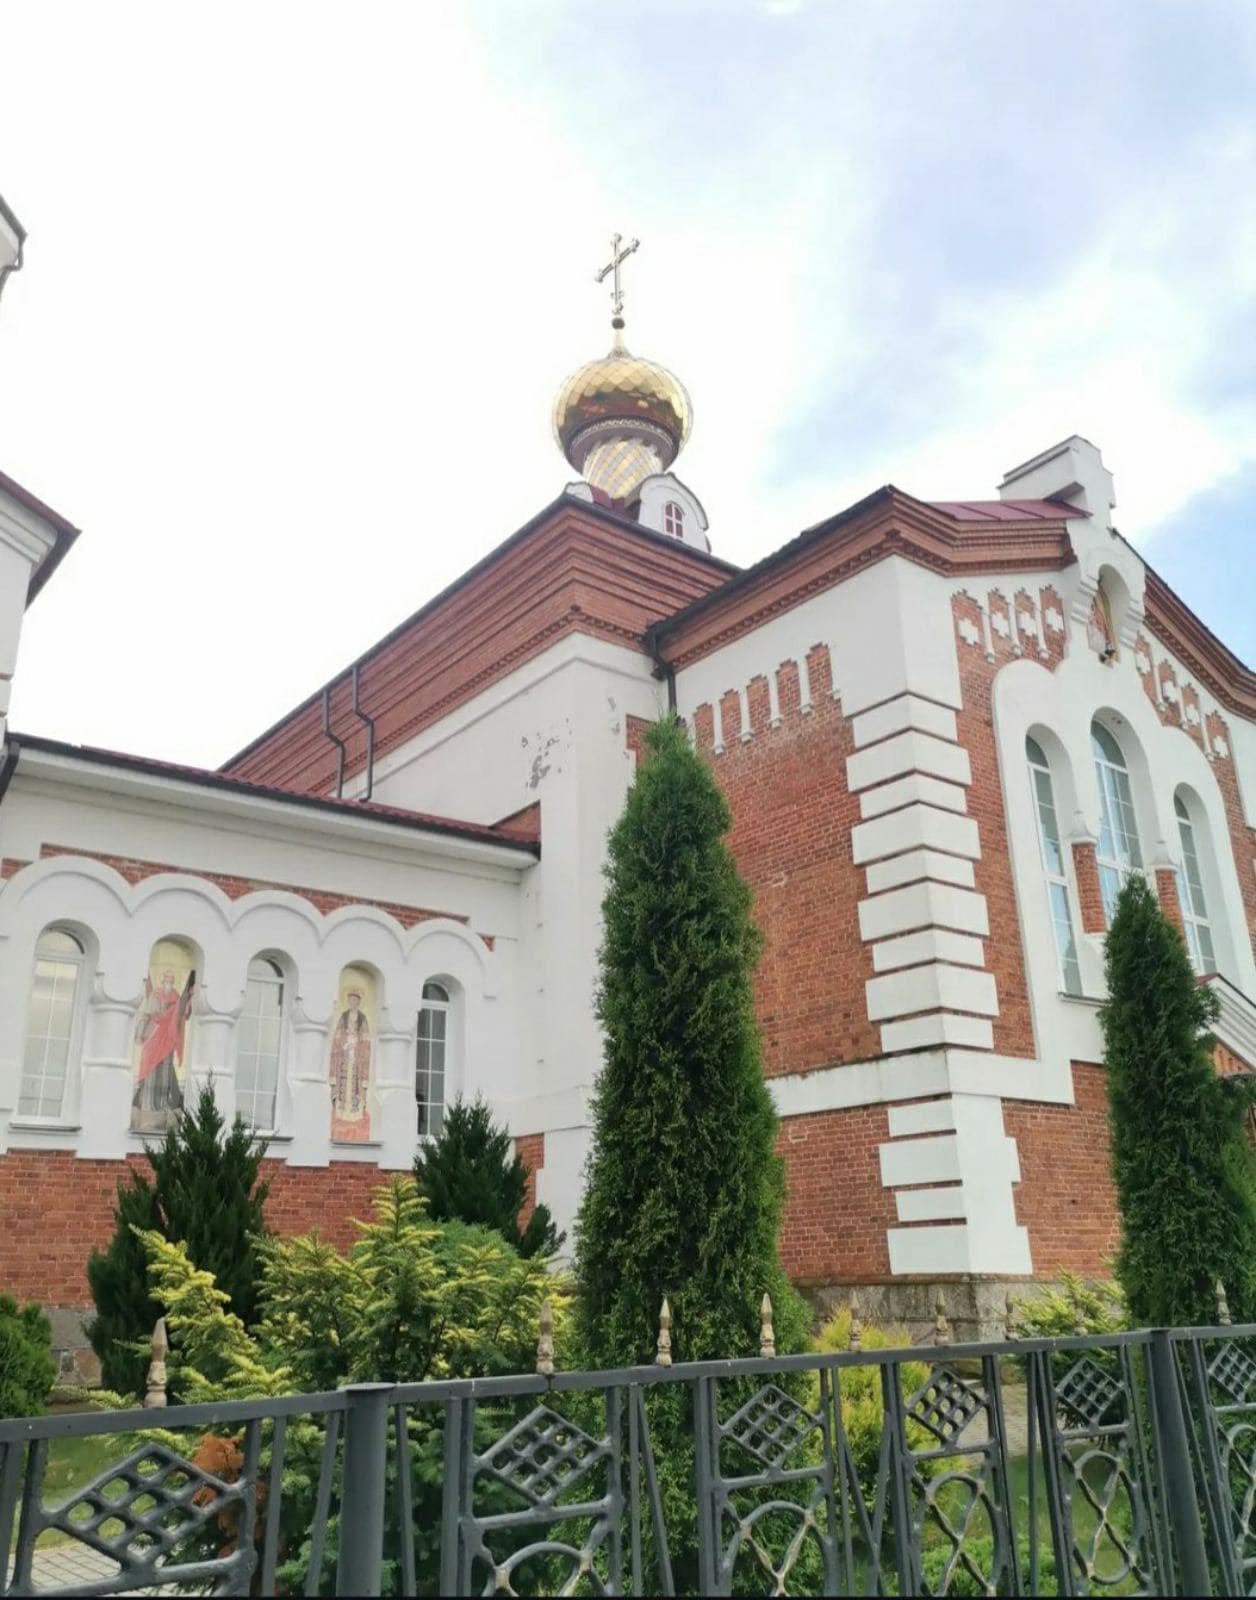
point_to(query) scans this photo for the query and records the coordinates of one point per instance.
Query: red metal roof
(1007, 510)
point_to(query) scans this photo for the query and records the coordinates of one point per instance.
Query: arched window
(1118, 851)
(1053, 866)
(50, 1024)
(259, 1045)
(431, 1052)
(1190, 887)
(674, 520)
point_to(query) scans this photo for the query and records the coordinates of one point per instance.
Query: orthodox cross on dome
(618, 257)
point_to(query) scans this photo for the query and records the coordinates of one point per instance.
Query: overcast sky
(302, 281)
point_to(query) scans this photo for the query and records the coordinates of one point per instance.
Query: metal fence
(1123, 1464)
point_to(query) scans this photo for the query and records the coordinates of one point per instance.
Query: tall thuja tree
(1183, 1168)
(202, 1189)
(684, 1188)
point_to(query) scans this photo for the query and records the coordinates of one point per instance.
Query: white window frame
(1059, 895)
(674, 520)
(65, 1114)
(1118, 853)
(1192, 898)
(429, 1005)
(279, 980)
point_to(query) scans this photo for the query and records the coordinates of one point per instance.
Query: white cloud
(302, 283)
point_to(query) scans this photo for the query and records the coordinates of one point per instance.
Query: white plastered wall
(555, 732)
(122, 922)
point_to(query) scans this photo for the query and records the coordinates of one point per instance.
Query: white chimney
(1071, 471)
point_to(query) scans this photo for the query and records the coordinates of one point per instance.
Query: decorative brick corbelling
(572, 573)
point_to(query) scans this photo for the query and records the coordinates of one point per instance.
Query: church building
(948, 732)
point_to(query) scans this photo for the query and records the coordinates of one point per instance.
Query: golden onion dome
(621, 387)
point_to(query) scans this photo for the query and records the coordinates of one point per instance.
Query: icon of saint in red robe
(351, 1071)
(161, 1034)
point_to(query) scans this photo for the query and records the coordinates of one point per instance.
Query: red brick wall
(1065, 1197)
(1089, 894)
(836, 1211)
(531, 1148)
(1166, 891)
(57, 1209)
(791, 837)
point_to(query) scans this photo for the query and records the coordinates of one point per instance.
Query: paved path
(71, 1565)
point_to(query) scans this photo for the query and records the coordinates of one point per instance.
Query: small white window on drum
(259, 1050)
(674, 520)
(50, 1024)
(431, 1054)
(1190, 888)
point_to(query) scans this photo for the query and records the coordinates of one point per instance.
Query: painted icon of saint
(351, 1071)
(1099, 627)
(161, 1037)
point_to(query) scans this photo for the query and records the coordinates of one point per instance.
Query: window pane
(57, 942)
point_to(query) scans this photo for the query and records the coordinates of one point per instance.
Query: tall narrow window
(674, 520)
(1053, 867)
(260, 1045)
(1118, 852)
(1191, 894)
(50, 1024)
(430, 1054)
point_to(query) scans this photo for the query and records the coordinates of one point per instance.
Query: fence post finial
(545, 1340)
(1010, 1329)
(767, 1333)
(1223, 1305)
(856, 1327)
(155, 1394)
(941, 1327)
(663, 1356)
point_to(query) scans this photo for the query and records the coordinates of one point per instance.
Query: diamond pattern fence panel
(1116, 1465)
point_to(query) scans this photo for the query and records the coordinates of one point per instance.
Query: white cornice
(253, 812)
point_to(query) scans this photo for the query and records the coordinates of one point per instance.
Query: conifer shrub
(28, 1368)
(203, 1189)
(684, 1188)
(410, 1299)
(1181, 1161)
(469, 1173)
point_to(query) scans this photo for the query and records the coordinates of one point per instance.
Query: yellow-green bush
(863, 1412)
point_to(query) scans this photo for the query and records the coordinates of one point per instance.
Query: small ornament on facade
(663, 1355)
(856, 1327)
(968, 631)
(1054, 619)
(1143, 662)
(767, 1333)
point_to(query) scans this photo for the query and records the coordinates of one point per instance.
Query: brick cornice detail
(1178, 629)
(887, 524)
(572, 573)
